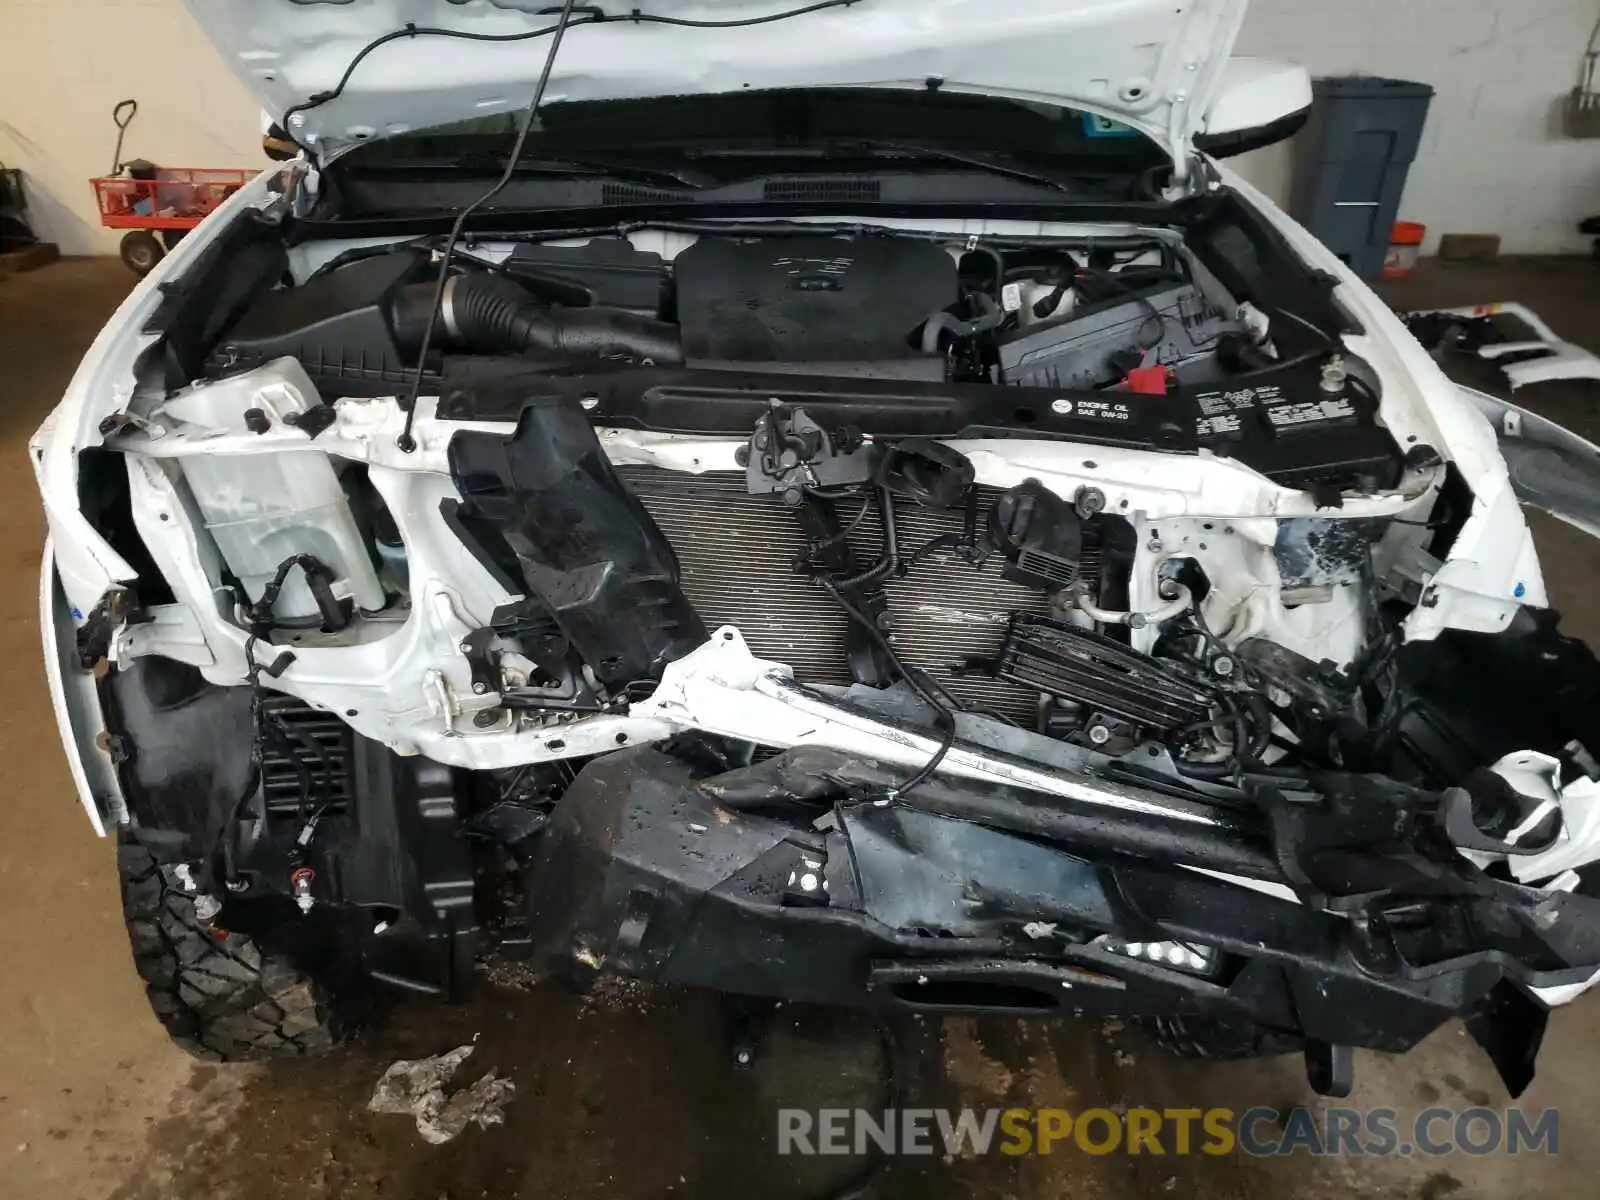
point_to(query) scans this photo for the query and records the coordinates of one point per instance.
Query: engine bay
(1124, 341)
(878, 306)
(1104, 487)
(855, 508)
(833, 520)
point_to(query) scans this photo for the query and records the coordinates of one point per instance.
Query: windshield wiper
(895, 149)
(629, 170)
(990, 163)
(673, 175)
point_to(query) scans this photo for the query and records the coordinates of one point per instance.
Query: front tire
(219, 996)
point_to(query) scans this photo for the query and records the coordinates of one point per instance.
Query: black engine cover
(823, 302)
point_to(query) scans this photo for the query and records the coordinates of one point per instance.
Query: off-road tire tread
(218, 996)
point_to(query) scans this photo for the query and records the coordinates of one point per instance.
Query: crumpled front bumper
(965, 897)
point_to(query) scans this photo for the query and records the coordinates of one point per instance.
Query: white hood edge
(1155, 65)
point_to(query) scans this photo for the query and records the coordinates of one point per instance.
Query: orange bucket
(1405, 247)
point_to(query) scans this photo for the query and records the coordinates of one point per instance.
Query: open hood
(1155, 65)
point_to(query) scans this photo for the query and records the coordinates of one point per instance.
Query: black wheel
(218, 994)
(1221, 1041)
(141, 250)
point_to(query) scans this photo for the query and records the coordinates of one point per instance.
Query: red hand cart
(148, 200)
(166, 201)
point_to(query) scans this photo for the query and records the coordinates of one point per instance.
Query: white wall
(1493, 159)
(65, 63)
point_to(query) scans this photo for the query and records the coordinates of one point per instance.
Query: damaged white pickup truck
(852, 503)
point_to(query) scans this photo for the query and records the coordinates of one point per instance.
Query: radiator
(737, 554)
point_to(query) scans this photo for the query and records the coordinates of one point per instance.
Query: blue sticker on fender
(1096, 126)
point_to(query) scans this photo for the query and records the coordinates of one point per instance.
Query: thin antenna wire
(405, 441)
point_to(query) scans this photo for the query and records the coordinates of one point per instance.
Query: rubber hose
(991, 318)
(491, 314)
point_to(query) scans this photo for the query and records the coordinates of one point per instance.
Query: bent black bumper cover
(643, 872)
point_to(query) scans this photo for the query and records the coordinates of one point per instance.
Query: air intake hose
(490, 314)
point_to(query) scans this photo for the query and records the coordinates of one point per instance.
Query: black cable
(405, 441)
(1247, 750)
(638, 18)
(1316, 329)
(1122, 285)
(588, 18)
(1171, 270)
(1279, 364)
(943, 541)
(946, 715)
(1241, 741)
(361, 253)
(1235, 769)
(1197, 618)
(288, 738)
(888, 555)
(223, 840)
(926, 771)
(889, 563)
(262, 621)
(1261, 714)
(845, 534)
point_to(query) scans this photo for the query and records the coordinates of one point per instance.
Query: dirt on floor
(629, 1091)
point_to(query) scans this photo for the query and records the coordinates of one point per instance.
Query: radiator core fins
(737, 555)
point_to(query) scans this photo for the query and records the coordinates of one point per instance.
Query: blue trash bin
(1351, 162)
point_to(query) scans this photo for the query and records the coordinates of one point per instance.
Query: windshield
(732, 136)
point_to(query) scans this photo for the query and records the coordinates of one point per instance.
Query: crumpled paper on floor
(417, 1086)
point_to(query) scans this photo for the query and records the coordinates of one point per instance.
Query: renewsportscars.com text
(1258, 1131)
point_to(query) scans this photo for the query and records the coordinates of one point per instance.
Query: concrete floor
(623, 1093)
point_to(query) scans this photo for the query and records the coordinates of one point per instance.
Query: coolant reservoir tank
(264, 508)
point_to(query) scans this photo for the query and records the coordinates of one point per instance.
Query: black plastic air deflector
(336, 325)
(246, 258)
(544, 510)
